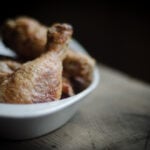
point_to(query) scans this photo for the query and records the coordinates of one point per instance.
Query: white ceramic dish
(33, 120)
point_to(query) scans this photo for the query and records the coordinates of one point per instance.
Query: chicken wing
(39, 80)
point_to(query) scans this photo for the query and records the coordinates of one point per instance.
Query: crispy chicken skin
(25, 36)
(9, 66)
(39, 80)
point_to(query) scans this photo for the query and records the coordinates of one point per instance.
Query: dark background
(116, 34)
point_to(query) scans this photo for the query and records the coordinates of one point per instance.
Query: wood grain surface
(116, 116)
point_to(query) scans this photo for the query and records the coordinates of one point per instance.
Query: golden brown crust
(24, 36)
(36, 81)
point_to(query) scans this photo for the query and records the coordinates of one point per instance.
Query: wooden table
(116, 116)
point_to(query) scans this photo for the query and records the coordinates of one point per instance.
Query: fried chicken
(27, 37)
(39, 80)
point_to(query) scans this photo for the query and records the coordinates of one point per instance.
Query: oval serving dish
(26, 121)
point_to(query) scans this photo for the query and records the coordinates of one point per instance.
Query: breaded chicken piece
(25, 36)
(39, 80)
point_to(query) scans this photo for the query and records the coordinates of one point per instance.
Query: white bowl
(32, 120)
